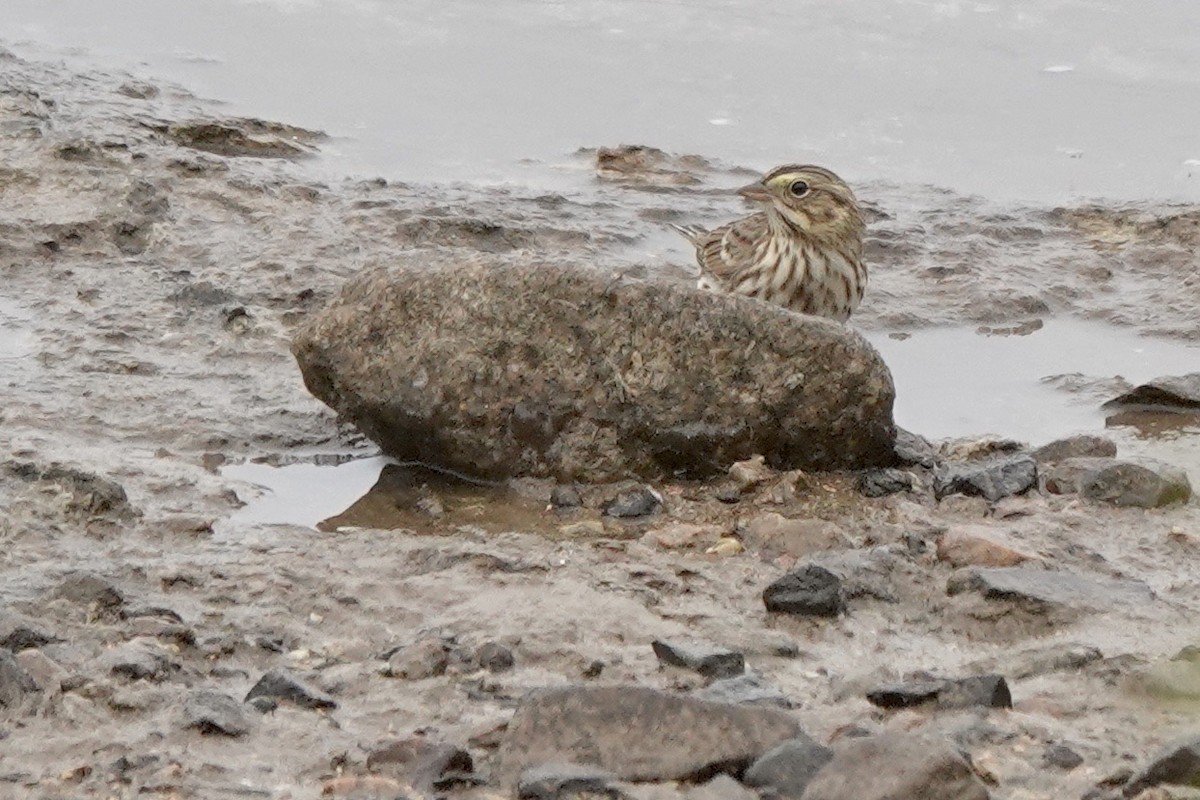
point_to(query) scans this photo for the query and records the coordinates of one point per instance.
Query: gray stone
(708, 660)
(19, 633)
(1179, 393)
(915, 450)
(494, 657)
(15, 682)
(809, 590)
(1084, 445)
(422, 763)
(1178, 763)
(890, 766)
(214, 713)
(1061, 757)
(142, 658)
(640, 501)
(1143, 483)
(564, 781)
(638, 733)
(749, 689)
(1048, 588)
(988, 691)
(789, 767)
(427, 657)
(282, 685)
(504, 370)
(89, 589)
(992, 478)
(566, 495)
(882, 482)
(1066, 476)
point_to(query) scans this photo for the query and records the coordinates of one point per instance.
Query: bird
(803, 250)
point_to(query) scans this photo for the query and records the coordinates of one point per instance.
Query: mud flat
(163, 632)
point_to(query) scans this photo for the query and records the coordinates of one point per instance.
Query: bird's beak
(756, 193)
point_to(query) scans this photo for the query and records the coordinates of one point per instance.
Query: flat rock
(991, 478)
(1084, 445)
(979, 546)
(214, 713)
(638, 733)
(708, 660)
(509, 370)
(987, 691)
(809, 590)
(420, 762)
(774, 534)
(1180, 392)
(90, 589)
(890, 766)
(1048, 588)
(281, 685)
(789, 767)
(1178, 763)
(749, 688)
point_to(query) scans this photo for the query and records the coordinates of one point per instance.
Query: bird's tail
(690, 232)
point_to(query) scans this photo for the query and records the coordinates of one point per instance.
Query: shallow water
(1027, 101)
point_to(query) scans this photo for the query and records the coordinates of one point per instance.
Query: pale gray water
(1029, 101)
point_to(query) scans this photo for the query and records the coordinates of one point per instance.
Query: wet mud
(155, 257)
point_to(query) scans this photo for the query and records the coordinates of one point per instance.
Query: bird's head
(812, 199)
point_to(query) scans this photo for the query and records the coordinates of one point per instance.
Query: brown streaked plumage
(802, 251)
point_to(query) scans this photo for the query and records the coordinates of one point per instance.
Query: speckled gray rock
(637, 733)
(992, 478)
(536, 370)
(895, 765)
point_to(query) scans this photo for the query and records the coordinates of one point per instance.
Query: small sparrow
(803, 251)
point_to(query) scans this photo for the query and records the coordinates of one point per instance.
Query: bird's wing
(693, 233)
(730, 249)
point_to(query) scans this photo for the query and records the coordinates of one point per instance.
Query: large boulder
(509, 370)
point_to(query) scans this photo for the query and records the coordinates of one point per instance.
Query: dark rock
(494, 657)
(593, 669)
(882, 482)
(427, 657)
(640, 501)
(914, 450)
(281, 685)
(142, 658)
(575, 374)
(750, 689)
(988, 691)
(15, 682)
(18, 633)
(1142, 483)
(895, 765)
(263, 705)
(214, 713)
(565, 495)
(1177, 393)
(637, 733)
(561, 781)
(1178, 763)
(1061, 757)
(708, 660)
(1080, 446)
(89, 589)
(809, 590)
(788, 768)
(992, 478)
(1047, 588)
(422, 763)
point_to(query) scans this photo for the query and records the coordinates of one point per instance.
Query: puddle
(381, 494)
(910, 92)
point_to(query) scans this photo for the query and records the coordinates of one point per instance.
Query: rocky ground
(982, 620)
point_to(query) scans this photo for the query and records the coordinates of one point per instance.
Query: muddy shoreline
(155, 258)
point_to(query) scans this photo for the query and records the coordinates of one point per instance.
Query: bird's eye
(798, 188)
